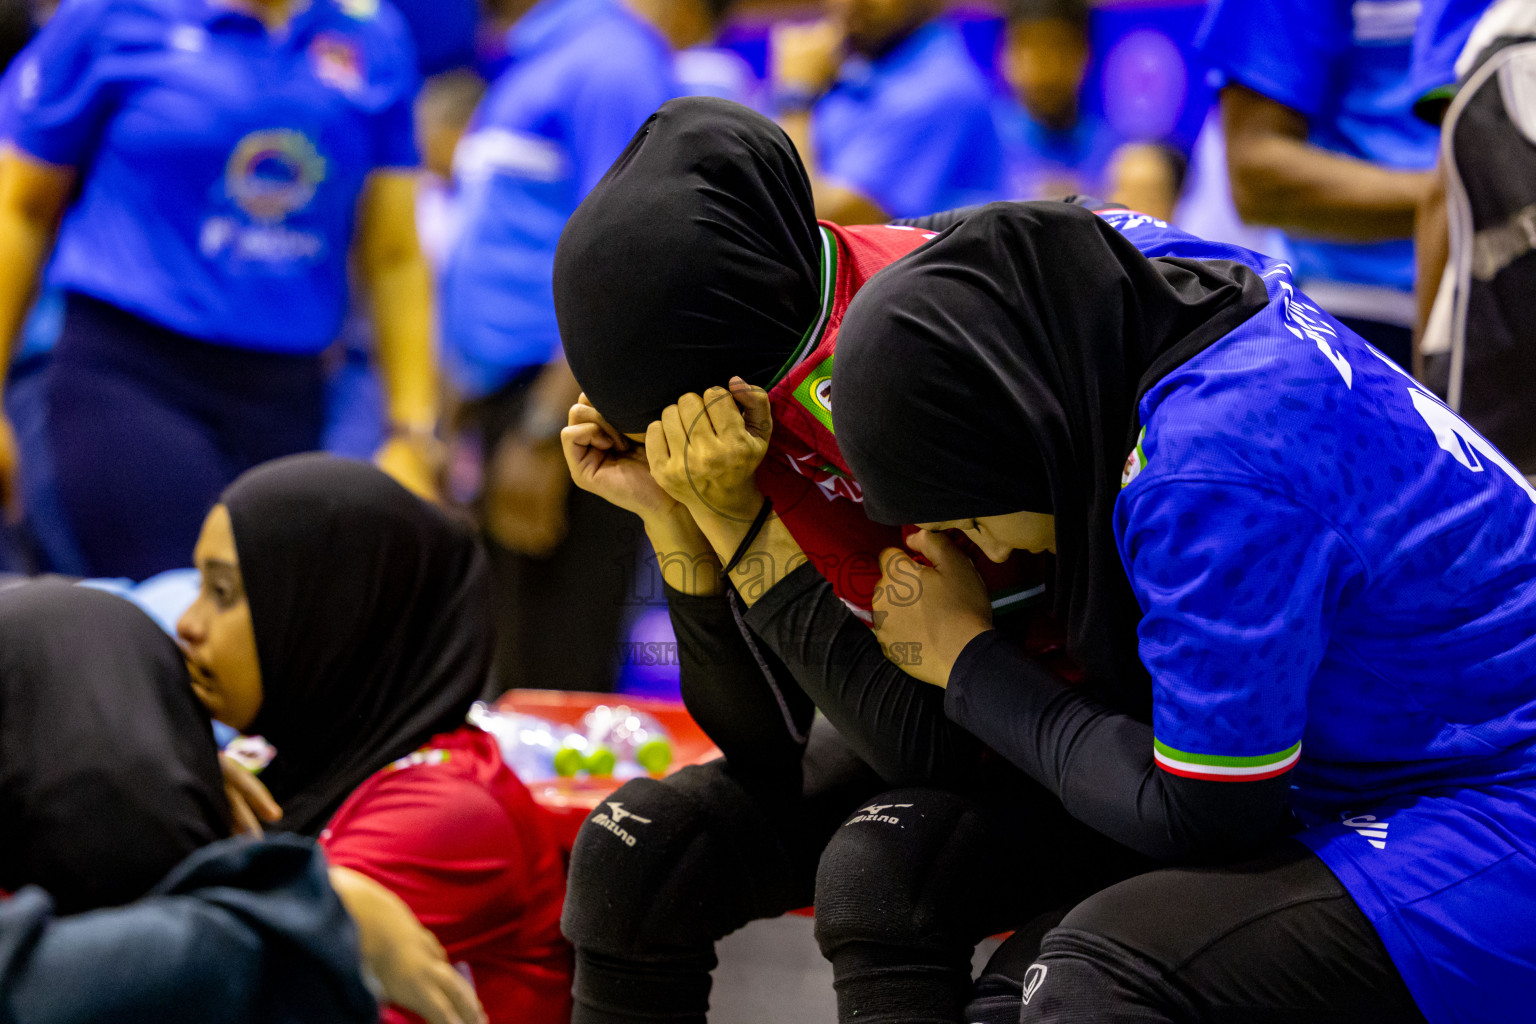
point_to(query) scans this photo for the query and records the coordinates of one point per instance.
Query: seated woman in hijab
(1326, 579)
(348, 622)
(113, 808)
(698, 256)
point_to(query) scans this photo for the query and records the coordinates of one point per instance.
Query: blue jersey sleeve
(906, 157)
(1288, 50)
(63, 94)
(1239, 588)
(610, 104)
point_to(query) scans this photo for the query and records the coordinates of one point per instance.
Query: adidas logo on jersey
(1369, 828)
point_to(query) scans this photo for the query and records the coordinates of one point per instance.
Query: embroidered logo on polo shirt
(273, 173)
(337, 61)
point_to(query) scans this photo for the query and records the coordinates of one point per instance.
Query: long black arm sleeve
(1099, 762)
(739, 693)
(894, 722)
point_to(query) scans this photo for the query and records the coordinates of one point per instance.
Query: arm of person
(805, 61)
(406, 959)
(1233, 634)
(1431, 252)
(738, 691)
(399, 285)
(835, 201)
(32, 198)
(1281, 180)
(194, 950)
(895, 724)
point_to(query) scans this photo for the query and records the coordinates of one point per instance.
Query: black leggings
(1272, 940)
(905, 883)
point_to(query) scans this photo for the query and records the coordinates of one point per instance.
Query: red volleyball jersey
(805, 474)
(452, 832)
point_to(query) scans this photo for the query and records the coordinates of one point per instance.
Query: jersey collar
(812, 336)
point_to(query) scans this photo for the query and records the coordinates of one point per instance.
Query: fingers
(583, 413)
(461, 995)
(244, 783)
(756, 407)
(657, 450)
(676, 431)
(244, 818)
(940, 551)
(724, 418)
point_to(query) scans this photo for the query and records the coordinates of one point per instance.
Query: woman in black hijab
(348, 623)
(109, 775)
(717, 192)
(368, 614)
(1265, 532)
(1279, 538)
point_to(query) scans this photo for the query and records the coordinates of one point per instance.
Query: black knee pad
(914, 868)
(667, 867)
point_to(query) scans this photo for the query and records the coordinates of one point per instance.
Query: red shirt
(453, 833)
(805, 474)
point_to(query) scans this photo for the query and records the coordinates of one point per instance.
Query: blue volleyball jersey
(1345, 65)
(1339, 582)
(220, 165)
(584, 75)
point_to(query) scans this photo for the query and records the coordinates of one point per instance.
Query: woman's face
(216, 632)
(998, 537)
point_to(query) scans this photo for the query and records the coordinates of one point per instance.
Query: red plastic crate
(569, 801)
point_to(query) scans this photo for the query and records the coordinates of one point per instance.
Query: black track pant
(1273, 940)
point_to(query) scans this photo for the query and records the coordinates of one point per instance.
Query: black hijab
(109, 776)
(696, 257)
(371, 610)
(998, 369)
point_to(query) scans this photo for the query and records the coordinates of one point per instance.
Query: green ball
(601, 762)
(654, 756)
(569, 761)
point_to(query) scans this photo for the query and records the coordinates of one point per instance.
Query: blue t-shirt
(1049, 163)
(220, 166)
(1339, 579)
(584, 76)
(912, 130)
(1345, 66)
(1443, 30)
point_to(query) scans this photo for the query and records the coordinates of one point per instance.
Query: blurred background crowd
(370, 270)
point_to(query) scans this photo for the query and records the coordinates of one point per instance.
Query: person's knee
(910, 868)
(1102, 963)
(671, 866)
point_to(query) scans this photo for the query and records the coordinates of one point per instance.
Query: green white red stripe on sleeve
(1220, 768)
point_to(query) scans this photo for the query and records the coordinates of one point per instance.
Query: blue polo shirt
(1051, 163)
(1345, 66)
(912, 129)
(220, 165)
(584, 76)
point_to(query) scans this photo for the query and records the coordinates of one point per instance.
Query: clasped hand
(925, 615)
(705, 450)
